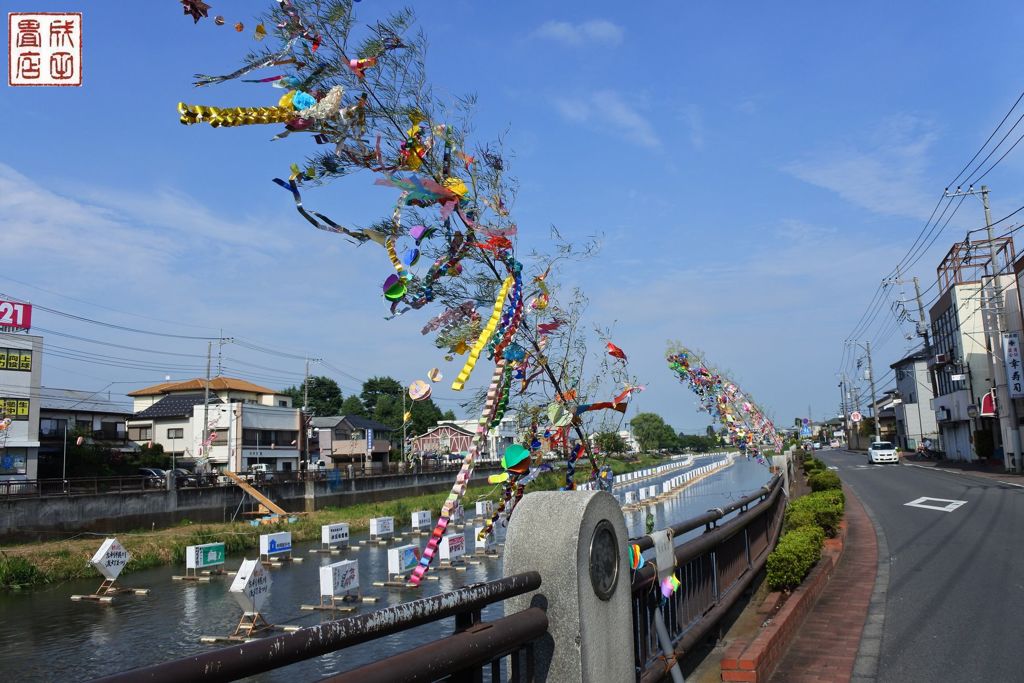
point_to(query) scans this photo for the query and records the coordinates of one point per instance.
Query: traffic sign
(856, 416)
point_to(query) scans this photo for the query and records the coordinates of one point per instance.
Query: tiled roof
(72, 400)
(177, 405)
(216, 384)
(328, 422)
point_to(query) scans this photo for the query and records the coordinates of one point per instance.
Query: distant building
(343, 440)
(915, 419)
(249, 424)
(443, 439)
(498, 438)
(20, 389)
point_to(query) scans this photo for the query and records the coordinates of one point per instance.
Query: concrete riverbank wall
(29, 519)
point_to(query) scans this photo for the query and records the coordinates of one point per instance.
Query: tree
(324, 396)
(376, 387)
(448, 415)
(710, 431)
(650, 430)
(610, 442)
(353, 406)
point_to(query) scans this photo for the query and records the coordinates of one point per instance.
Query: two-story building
(915, 419)
(343, 440)
(248, 423)
(68, 414)
(20, 389)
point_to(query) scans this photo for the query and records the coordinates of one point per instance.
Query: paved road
(954, 609)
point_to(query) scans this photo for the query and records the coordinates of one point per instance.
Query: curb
(755, 661)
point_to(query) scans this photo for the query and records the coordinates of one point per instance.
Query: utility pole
(206, 401)
(302, 420)
(1007, 409)
(922, 326)
(874, 400)
(842, 404)
(405, 423)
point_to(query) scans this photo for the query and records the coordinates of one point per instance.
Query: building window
(51, 427)
(282, 404)
(140, 433)
(177, 433)
(14, 461)
(19, 360)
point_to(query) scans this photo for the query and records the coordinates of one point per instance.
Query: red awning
(988, 404)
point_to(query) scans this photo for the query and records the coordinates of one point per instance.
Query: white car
(881, 452)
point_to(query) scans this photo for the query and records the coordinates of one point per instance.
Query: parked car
(183, 477)
(261, 472)
(881, 452)
(153, 477)
(834, 443)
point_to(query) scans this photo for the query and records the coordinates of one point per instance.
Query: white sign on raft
(203, 556)
(486, 543)
(403, 559)
(334, 534)
(276, 544)
(110, 559)
(484, 508)
(382, 526)
(421, 519)
(251, 586)
(339, 578)
(453, 547)
(630, 497)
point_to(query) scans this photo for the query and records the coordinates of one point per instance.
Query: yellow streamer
(233, 116)
(389, 244)
(485, 335)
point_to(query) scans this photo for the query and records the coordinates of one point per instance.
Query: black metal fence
(714, 570)
(495, 651)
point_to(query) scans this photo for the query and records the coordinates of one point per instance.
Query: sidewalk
(982, 469)
(825, 649)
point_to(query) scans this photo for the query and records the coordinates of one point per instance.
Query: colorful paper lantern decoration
(419, 390)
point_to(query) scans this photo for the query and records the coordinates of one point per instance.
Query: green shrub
(16, 572)
(797, 551)
(823, 509)
(824, 481)
(812, 466)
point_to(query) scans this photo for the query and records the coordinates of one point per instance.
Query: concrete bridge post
(577, 541)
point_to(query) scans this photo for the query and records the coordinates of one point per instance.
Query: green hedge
(823, 509)
(824, 481)
(797, 551)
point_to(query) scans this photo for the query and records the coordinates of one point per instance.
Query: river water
(44, 636)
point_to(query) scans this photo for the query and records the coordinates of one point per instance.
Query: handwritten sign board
(110, 559)
(276, 544)
(403, 559)
(203, 556)
(421, 519)
(382, 526)
(251, 586)
(334, 534)
(485, 544)
(339, 578)
(453, 547)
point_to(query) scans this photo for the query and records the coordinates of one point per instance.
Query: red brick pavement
(826, 645)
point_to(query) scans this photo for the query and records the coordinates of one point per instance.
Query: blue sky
(753, 170)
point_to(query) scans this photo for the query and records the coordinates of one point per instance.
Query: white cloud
(885, 173)
(598, 31)
(609, 110)
(695, 122)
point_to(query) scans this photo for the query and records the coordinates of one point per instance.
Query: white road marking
(949, 506)
(833, 467)
(1010, 483)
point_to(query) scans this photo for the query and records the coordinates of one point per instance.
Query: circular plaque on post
(604, 560)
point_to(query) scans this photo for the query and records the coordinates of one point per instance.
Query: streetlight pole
(64, 470)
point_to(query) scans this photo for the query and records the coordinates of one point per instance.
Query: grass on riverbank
(36, 564)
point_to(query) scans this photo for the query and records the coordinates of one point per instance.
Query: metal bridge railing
(502, 649)
(714, 569)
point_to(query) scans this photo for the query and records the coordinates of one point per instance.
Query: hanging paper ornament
(636, 557)
(196, 8)
(219, 20)
(239, 27)
(669, 585)
(419, 390)
(616, 352)
(434, 375)
(514, 455)
(260, 32)
(411, 257)
(394, 288)
(558, 415)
